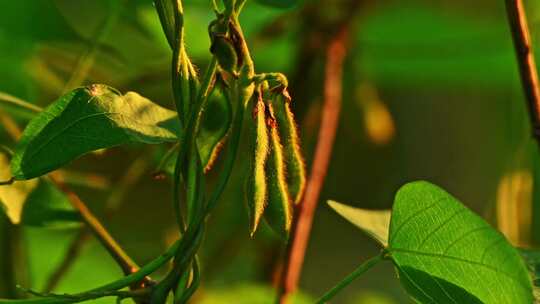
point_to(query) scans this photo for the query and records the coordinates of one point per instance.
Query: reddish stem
(335, 56)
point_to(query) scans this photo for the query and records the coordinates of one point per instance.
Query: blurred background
(430, 91)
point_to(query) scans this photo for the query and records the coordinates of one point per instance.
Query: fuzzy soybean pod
(296, 169)
(256, 187)
(279, 210)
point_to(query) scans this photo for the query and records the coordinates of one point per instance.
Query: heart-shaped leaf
(85, 120)
(375, 223)
(445, 253)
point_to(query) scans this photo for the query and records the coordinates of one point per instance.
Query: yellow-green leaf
(375, 223)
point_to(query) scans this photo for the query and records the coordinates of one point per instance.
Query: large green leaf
(445, 253)
(35, 202)
(85, 120)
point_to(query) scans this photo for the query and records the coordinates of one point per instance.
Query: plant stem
(127, 265)
(195, 281)
(132, 175)
(12, 100)
(367, 265)
(517, 20)
(94, 293)
(7, 182)
(301, 227)
(115, 250)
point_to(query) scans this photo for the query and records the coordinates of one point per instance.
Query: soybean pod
(279, 210)
(296, 170)
(256, 188)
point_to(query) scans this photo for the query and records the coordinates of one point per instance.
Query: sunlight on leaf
(85, 120)
(13, 197)
(375, 223)
(35, 202)
(445, 253)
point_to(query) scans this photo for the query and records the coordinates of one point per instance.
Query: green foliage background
(444, 69)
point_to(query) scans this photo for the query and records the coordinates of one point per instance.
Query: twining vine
(274, 184)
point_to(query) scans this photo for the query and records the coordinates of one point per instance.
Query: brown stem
(115, 250)
(125, 262)
(527, 66)
(335, 56)
(133, 174)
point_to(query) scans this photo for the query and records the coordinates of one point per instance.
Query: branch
(133, 174)
(517, 20)
(127, 265)
(115, 250)
(335, 56)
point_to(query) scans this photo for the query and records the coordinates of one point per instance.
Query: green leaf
(85, 120)
(445, 253)
(216, 122)
(279, 3)
(375, 223)
(35, 202)
(13, 197)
